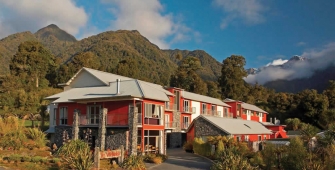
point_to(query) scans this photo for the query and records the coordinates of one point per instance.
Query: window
(244, 111)
(185, 122)
(153, 111)
(186, 106)
(93, 114)
(264, 137)
(259, 138)
(213, 110)
(246, 138)
(63, 116)
(226, 112)
(54, 117)
(204, 109)
(238, 138)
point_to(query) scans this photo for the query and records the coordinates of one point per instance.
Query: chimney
(270, 119)
(275, 120)
(118, 86)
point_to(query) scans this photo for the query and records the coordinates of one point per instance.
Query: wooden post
(121, 158)
(97, 158)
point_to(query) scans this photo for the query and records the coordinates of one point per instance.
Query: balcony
(170, 106)
(170, 125)
(184, 125)
(117, 120)
(188, 109)
(111, 120)
(211, 113)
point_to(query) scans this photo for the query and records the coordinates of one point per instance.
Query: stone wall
(115, 138)
(132, 122)
(59, 130)
(205, 128)
(175, 140)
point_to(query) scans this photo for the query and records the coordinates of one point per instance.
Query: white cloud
(250, 11)
(301, 43)
(277, 62)
(31, 15)
(317, 59)
(149, 19)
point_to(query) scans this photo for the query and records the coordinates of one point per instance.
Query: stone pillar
(75, 125)
(102, 129)
(132, 122)
(96, 158)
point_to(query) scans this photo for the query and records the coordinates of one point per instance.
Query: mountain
(297, 74)
(211, 67)
(55, 38)
(51, 37)
(114, 46)
(9, 45)
(319, 81)
(111, 47)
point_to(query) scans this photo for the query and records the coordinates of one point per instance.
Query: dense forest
(51, 56)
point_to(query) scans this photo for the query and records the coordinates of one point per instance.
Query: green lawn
(28, 123)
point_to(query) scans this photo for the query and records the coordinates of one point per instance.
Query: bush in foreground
(134, 163)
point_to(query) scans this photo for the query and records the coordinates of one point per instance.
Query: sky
(265, 32)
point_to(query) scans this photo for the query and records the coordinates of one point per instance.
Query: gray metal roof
(133, 88)
(252, 107)
(237, 126)
(246, 105)
(202, 98)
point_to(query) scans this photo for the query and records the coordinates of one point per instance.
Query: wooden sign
(110, 154)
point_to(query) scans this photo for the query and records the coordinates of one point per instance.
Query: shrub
(188, 146)
(37, 136)
(201, 148)
(14, 157)
(157, 160)
(76, 154)
(44, 160)
(134, 163)
(55, 160)
(36, 159)
(26, 159)
(219, 149)
(232, 160)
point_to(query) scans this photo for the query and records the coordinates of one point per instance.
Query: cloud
(31, 15)
(249, 11)
(149, 19)
(317, 59)
(301, 43)
(277, 62)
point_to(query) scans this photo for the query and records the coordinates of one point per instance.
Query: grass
(29, 123)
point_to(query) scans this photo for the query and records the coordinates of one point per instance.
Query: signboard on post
(110, 154)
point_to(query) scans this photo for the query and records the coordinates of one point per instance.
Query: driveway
(180, 160)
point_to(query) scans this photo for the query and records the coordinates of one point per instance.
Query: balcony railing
(170, 106)
(188, 109)
(139, 119)
(170, 124)
(111, 120)
(184, 125)
(212, 113)
(117, 120)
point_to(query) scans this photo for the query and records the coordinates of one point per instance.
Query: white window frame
(152, 110)
(54, 117)
(204, 108)
(238, 138)
(186, 121)
(259, 137)
(186, 105)
(95, 116)
(246, 138)
(63, 115)
(264, 137)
